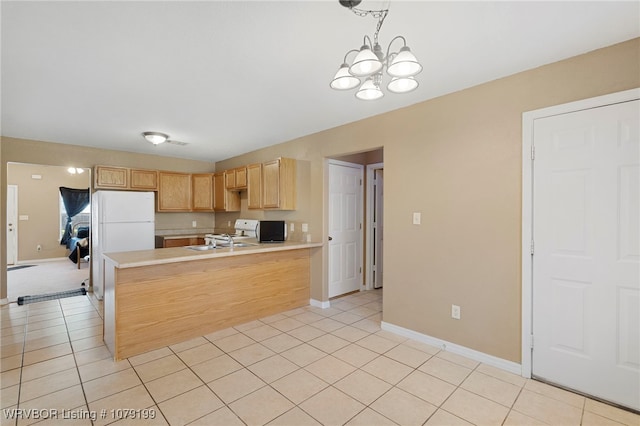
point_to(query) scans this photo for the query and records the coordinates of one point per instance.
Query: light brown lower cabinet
(178, 242)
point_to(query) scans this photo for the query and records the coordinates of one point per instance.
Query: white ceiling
(228, 77)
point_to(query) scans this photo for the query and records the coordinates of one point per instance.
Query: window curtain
(74, 200)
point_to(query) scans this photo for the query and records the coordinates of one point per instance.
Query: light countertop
(132, 259)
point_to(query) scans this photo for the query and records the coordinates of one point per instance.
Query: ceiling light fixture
(74, 170)
(369, 62)
(155, 138)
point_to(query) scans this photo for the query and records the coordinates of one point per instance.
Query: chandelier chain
(380, 15)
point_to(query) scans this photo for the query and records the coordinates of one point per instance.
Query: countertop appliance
(122, 221)
(272, 231)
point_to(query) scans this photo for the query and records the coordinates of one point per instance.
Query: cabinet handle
(330, 238)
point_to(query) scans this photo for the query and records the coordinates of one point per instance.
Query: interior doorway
(42, 264)
(580, 273)
(372, 252)
(374, 237)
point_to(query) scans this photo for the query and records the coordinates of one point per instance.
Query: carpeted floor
(46, 277)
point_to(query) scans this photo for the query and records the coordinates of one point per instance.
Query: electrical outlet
(292, 227)
(39, 247)
(194, 224)
(228, 224)
(455, 312)
(417, 218)
(305, 227)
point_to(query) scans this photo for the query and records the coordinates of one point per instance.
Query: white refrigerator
(121, 221)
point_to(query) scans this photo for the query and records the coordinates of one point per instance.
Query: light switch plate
(417, 217)
(24, 217)
(455, 312)
(305, 227)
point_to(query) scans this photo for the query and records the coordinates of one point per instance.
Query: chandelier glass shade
(370, 90)
(370, 63)
(343, 80)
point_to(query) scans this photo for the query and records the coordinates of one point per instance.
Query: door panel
(12, 224)
(586, 265)
(345, 219)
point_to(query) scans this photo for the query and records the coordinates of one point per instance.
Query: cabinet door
(174, 192)
(254, 186)
(219, 190)
(271, 184)
(176, 242)
(143, 179)
(111, 177)
(241, 177)
(224, 200)
(230, 179)
(202, 185)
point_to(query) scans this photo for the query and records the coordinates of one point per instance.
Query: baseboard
(32, 261)
(503, 364)
(318, 304)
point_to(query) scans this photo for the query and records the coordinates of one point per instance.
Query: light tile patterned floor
(308, 366)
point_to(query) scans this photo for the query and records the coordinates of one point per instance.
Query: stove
(244, 229)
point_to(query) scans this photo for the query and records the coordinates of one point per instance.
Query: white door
(12, 224)
(378, 227)
(345, 227)
(586, 262)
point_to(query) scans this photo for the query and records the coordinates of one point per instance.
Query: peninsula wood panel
(161, 305)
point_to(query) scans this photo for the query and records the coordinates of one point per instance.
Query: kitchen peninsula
(156, 298)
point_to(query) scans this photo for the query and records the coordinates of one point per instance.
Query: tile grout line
(329, 385)
(24, 344)
(75, 361)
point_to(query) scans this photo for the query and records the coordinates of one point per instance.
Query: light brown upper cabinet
(146, 180)
(236, 179)
(108, 177)
(202, 197)
(174, 192)
(279, 184)
(254, 186)
(224, 200)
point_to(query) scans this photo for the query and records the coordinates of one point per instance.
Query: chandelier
(369, 63)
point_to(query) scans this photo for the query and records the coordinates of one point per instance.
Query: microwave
(272, 231)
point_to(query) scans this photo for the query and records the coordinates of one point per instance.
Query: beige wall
(39, 199)
(456, 159)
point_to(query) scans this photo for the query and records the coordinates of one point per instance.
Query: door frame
(328, 162)
(528, 121)
(371, 168)
(13, 202)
